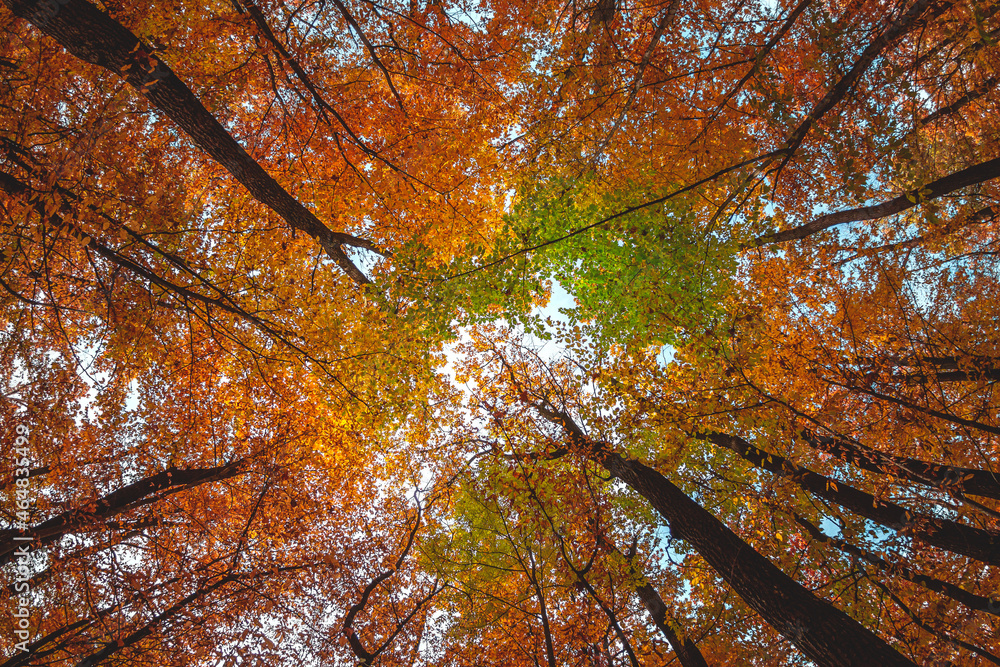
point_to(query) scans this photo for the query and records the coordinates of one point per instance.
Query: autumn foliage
(283, 383)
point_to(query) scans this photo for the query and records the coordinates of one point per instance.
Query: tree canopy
(284, 382)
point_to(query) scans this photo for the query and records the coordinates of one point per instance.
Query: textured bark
(969, 599)
(978, 173)
(94, 37)
(822, 632)
(958, 538)
(962, 480)
(113, 504)
(686, 650)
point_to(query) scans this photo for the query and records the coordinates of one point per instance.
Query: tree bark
(822, 632)
(94, 37)
(964, 480)
(971, 96)
(685, 649)
(983, 545)
(984, 171)
(114, 503)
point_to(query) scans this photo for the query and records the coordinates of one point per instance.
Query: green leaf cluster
(649, 277)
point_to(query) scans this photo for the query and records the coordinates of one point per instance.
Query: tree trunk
(112, 504)
(94, 37)
(965, 480)
(822, 632)
(685, 649)
(983, 545)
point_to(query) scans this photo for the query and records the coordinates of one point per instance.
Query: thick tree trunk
(958, 538)
(94, 37)
(821, 631)
(112, 504)
(965, 480)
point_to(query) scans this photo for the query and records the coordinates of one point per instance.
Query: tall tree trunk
(94, 37)
(983, 545)
(965, 480)
(822, 632)
(686, 650)
(684, 647)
